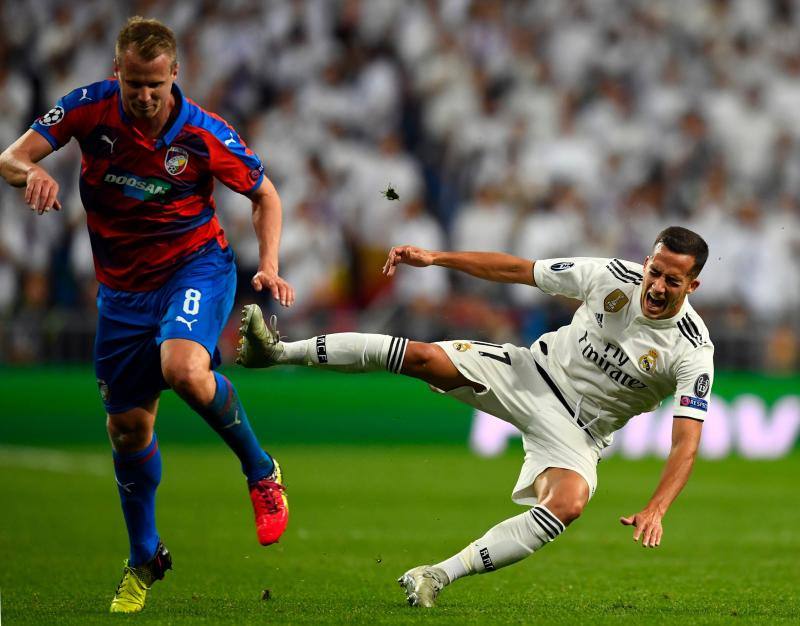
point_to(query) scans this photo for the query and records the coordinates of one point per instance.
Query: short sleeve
(567, 277)
(695, 376)
(65, 120)
(233, 163)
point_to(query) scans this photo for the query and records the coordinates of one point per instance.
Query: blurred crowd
(540, 128)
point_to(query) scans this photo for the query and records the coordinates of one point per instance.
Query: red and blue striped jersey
(149, 202)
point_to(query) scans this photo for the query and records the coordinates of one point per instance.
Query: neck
(152, 127)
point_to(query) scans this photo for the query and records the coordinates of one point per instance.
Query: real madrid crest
(176, 160)
(462, 346)
(648, 361)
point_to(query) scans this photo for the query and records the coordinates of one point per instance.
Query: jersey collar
(180, 119)
(665, 323)
(171, 131)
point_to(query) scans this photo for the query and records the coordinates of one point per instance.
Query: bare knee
(130, 431)
(182, 377)
(566, 509)
(186, 367)
(564, 492)
(192, 381)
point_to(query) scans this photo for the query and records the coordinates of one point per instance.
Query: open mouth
(653, 305)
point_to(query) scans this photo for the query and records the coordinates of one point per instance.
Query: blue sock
(138, 475)
(226, 416)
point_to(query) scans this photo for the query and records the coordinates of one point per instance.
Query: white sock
(347, 352)
(508, 542)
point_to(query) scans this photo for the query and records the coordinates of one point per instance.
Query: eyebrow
(133, 81)
(672, 276)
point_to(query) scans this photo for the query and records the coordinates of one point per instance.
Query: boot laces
(269, 492)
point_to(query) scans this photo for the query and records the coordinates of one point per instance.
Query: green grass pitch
(360, 516)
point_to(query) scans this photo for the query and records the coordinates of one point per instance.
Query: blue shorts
(194, 304)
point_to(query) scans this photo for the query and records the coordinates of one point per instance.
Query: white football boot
(259, 343)
(423, 584)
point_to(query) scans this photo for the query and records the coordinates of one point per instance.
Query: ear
(646, 261)
(693, 286)
(175, 70)
(115, 67)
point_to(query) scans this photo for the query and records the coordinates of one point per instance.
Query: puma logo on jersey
(109, 141)
(180, 318)
(83, 94)
(230, 141)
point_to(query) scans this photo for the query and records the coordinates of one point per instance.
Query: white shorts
(517, 393)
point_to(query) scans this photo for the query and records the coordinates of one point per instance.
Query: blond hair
(148, 38)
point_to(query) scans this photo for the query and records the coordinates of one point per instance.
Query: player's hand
(409, 255)
(282, 291)
(647, 525)
(41, 191)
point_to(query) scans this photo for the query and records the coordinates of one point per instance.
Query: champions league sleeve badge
(53, 116)
(176, 160)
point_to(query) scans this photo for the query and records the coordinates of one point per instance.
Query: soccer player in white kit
(634, 341)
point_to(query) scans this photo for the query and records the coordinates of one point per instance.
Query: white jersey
(611, 362)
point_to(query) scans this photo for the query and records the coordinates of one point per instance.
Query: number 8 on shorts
(191, 305)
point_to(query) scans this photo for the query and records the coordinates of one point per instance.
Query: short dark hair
(148, 38)
(684, 241)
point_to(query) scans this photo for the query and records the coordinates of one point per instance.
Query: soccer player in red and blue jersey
(167, 274)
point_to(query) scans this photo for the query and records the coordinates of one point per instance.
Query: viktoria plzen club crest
(176, 160)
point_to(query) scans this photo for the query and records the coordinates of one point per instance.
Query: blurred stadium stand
(546, 129)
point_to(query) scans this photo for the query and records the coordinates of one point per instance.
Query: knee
(128, 433)
(567, 509)
(187, 379)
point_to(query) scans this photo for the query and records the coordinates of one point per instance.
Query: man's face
(145, 85)
(666, 282)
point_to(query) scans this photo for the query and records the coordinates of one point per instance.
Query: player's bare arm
(494, 266)
(18, 166)
(267, 220)
(685, 442)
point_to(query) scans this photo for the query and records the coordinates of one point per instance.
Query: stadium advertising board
(746, 426)
(750, 415)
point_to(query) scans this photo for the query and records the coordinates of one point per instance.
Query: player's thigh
(429, 362)
(198, 302)
(560, 461)
(497, 376)
(126, 356)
